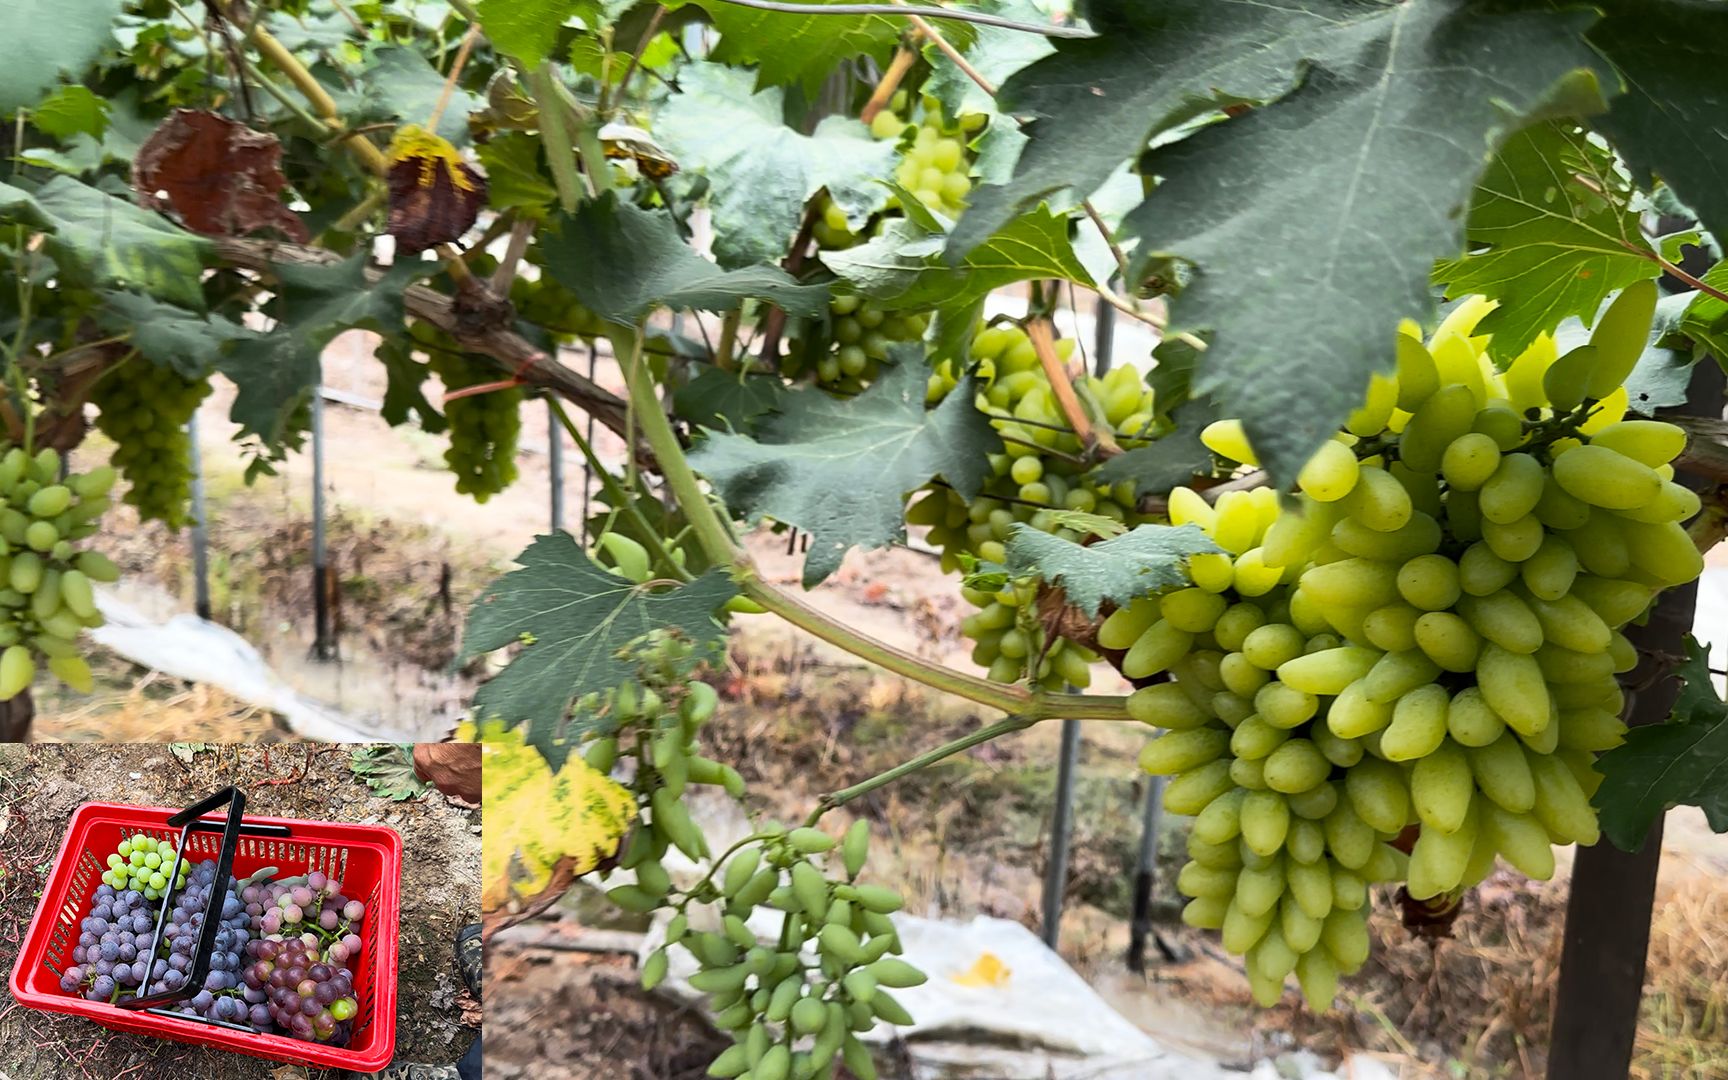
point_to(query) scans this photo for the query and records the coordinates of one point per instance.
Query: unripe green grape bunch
(935, 167)
(1040, 470)
(795, 1006)
(46, 581)
(144, 408)
(1429, 639)
(483, 427)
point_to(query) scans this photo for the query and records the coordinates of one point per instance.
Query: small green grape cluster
(937, 166)
(144, 408)
(1041, 470)
(483, 427)
(46, 594)
(549, 305)
(143, 863)
(789, 1017)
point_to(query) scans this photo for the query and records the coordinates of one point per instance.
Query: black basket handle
(189, 821)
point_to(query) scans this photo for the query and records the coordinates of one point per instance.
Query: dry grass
(157, 708)
(1683, 1034)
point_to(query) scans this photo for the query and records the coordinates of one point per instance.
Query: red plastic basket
(367, 859)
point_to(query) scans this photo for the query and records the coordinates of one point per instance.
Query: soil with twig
(40, 786)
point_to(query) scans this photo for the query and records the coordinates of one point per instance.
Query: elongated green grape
(1441, 786)
(1650, 442)
(1602, 477)
(1567, 380)
(1445, 416)
(1429, 582)
(1330, 474)
(1178, 751)
(1469, 461)
(1514, 489)
(1504, 619)
(1620, 336)
(1502, 772)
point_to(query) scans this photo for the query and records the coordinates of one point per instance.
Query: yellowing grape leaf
(535, 817)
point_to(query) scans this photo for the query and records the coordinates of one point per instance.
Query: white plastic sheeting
(198, 651)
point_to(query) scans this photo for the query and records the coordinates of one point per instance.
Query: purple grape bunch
(220, 997)
(307, 941)
(114, 945)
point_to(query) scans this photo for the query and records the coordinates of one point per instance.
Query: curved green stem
(712, 533)
(929, 757)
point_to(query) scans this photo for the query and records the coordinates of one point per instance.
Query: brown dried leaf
(221, 177)
(435, 196)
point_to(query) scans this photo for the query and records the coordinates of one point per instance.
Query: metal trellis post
(1061, 832)
(323, 640)
(1607, 934)
(555, 455)
(200, 528)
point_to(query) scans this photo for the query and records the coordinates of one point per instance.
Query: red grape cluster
(307, 994)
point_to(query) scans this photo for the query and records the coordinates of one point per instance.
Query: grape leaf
(1664, 369)
(1668, 119)
(570, 618)
(903, 267)
(761, 171)
(727, 401)
(840, 469)
(1148, 558)
(515, 179)
(1095, 102)
(72, 110)
(169, 336)
(388, 769)
(621, 261)
(1339, 198)
(275, 374)
(528, 29)
(49, 38)
(1548, 244)
(400, 84)
(995, 53)
(537, 817)
(1683, 762)
(791, 48)
(104, 241)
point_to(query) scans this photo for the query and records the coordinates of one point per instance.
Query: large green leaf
(1668, 122)
(904, 268)
(763, 172)
(169, 336)
(70, 111)
(1683, 762)
(995, 53)
(786, 47)
(1314, 221)
(571, 617)
(46, 39)
(1148, 558)
(402, 85)
(840, 469)
(275, 374)
(1546, 241)
(99, 240)
(1095, 102)
(728, 401)
(528, 29)
(622, 261)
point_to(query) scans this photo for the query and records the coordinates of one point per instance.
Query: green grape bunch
(1427, 640)
(791, 1016)
(1041, 470)
(46, 581)
(144, 408)
(484, 427)
(143, 863)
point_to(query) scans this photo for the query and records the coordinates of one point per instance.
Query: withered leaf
(434, 195)
(221, 177)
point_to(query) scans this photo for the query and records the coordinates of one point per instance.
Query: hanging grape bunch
(483, 427)
(1040, 470)
(46, 590)
(144, 407)
(935, 167)
(1429, 639)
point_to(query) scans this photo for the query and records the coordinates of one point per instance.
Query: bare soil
(40, 786)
